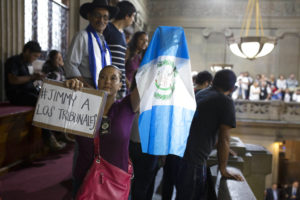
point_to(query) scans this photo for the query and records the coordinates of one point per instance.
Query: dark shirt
(263, 93)
(270, 194)
(117, 44)
(54, 73)
(290, 194)
(213, 109)
(15, 65)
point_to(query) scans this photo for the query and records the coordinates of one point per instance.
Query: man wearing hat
(89, 52)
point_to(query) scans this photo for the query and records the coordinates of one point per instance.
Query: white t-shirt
(245, 83)
(281, 84)
(254, 93)
(296, 97)
(287, 97)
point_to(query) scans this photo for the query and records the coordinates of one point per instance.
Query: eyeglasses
(99, 16)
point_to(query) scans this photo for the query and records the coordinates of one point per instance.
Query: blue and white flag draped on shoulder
(166, 90)
(99, 54)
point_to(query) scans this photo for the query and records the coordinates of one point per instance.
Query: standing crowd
(267, 88)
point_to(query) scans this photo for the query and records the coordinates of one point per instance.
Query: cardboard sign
(65, 110)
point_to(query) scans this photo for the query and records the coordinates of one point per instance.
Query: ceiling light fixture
(252, 47)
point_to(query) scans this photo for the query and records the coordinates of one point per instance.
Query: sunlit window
(56, 27)
(28, 20)
(42, 23)
(46, 21)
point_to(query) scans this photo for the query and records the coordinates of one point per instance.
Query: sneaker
(64, 137)
(54, 145)
(69, 138)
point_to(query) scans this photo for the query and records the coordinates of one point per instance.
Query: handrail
(227, 189)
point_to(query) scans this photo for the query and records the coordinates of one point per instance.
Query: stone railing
(253, 162)
(227, 189)
(268, 110)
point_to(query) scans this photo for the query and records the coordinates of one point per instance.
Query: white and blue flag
(166, 90)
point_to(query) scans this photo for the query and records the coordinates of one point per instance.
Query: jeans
(191, 182)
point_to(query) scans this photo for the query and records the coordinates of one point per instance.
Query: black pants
(23, 99)
(145, 168)
(171, 170)
(191, 182)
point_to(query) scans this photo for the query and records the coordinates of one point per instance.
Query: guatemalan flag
(166, 90)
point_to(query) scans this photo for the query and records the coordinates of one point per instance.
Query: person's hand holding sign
(74, 84)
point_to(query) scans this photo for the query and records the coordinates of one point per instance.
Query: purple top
(113, 146)
(132, 65)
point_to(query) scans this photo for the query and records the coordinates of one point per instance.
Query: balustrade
(268, 110)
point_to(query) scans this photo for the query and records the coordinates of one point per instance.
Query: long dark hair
(48, 65)
(51, 55)
(132, 45)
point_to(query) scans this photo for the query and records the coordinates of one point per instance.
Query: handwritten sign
(62, 109)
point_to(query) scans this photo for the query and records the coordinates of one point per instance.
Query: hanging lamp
(252, 47)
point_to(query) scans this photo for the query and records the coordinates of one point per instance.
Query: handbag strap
(97, 153)
(97, 146)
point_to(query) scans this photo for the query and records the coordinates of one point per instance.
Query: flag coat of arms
(166, 91)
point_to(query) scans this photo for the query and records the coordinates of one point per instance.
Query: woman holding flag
(119, 116)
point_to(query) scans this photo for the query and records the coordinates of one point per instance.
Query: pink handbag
(105, 181)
